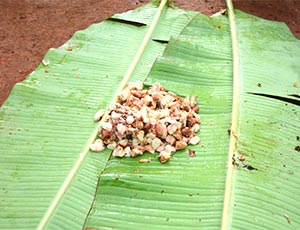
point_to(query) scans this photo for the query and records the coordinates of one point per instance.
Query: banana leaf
(48, 176)
(245, 175)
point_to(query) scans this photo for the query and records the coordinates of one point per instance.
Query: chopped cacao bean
(149, 120)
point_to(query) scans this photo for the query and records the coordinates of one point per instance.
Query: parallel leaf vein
(85, 152)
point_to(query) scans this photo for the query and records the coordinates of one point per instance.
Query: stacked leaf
(48, 175)
(244, 180)
(188, 192)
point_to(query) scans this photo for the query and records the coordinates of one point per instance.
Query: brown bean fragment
(145, 160)
(156, 96)
(124, 95)
(161, 148)
(186, 132)
(136, 94)
(149, 149)
(138, 85)
(241, 158)
(196, 108)
(139, 125)
(160, 130)
(137, 151)
(190, 121)
(112, 145)
(192, 153)
(195, 128)
(156, 142)
(172, 128)
(170, 149)
(196, 119)
(150, 120)
(162, 88)
(171, 139)
(186, 139)
(180, 145)
(178, 134)
(140, 135)
(106, 136)
(123, 143)
(186, 108)
(164, 157)
(193, 100)
(69, 48)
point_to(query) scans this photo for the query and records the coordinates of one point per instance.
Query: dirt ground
(28, 28)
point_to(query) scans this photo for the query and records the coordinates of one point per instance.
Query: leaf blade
(268, 127)
(65, 95)
(187, 192)
(85, 152)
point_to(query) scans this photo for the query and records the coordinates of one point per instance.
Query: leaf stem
(82, 156)
(227, 206)
(143, 44)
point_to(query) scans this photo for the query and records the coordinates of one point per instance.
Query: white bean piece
(121, 129)
(97, 146)
(129, 120)
(112, 145)
(118, 152)
(107, 126)
(156, 142)
(194, 140)
(100, 113)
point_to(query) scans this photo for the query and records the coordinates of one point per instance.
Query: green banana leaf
(244, 71)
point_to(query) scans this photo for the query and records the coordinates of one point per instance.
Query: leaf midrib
(228, 196)
(82, 156)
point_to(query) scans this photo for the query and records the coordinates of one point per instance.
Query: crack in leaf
(128, 22)
(160, 41)
(280, 98)
(294, 95)
(95, 194)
